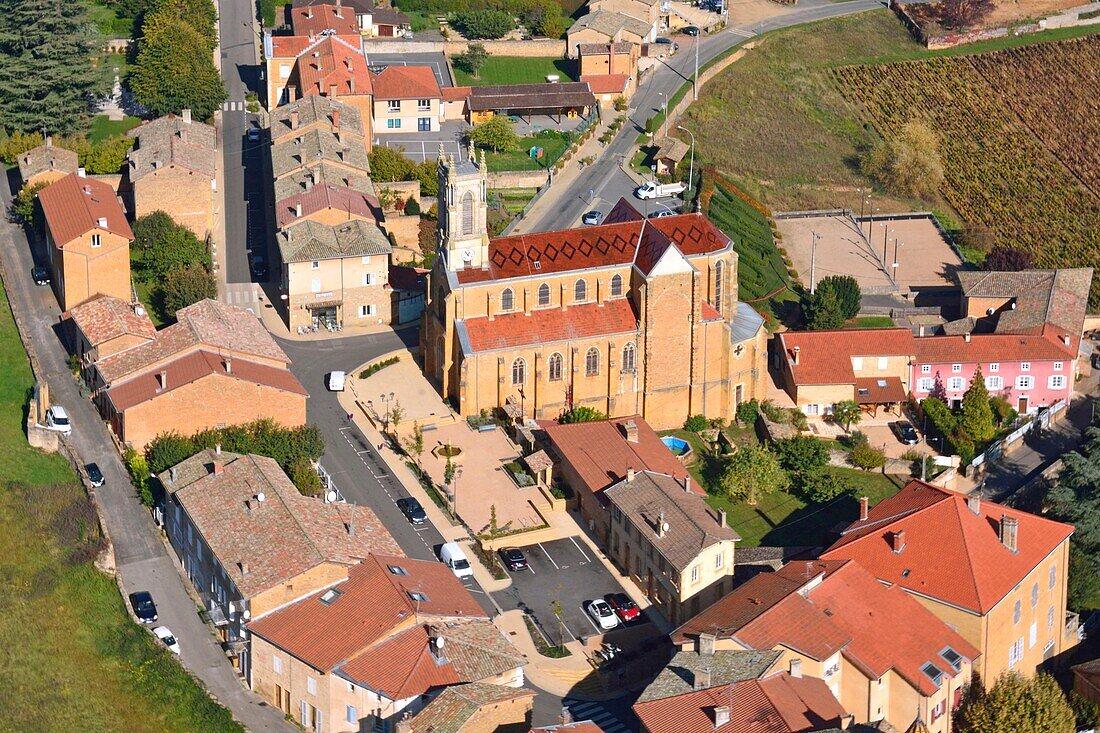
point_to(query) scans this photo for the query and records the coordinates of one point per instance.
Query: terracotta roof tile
(75, 205)
(551, 325)
(987, 347)
(311, 240)
(288, 47)
(455, 94)
(1036, 297)
(312, 20)
(106, 317)
(585, 49)
(327, 196)
(778, 703)
(278, 538)
(506, 97)
(334, 62)
(322, 174)
(950, 553)
(453, 708)
(316, 146)
(581, 726)
(47, 157)
(605, 83)
(406, 82)
(600, 454)
(878, 390)
(651, 498)
(825, 357)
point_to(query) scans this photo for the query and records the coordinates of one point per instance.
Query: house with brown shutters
(216, 366)
(171, 169)
(251, 543)
(87, 240)
(366, 651)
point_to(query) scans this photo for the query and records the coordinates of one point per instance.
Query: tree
(395, 415)
(543, 18)
(496, 134)
(199, 14)
(696, 424)
(1016, 704)
(449, 472)
(867, 457)
(802, 453)
(107, 156)
(1006, 258)
(487, 24)
(976, 418)
(427, 173)
(19, 142)
(174, 69)
(907, 163)
(1085, 710)
(963, 14)
(185, 286)
(747, 412)
(847, 293)
(304, 476)
(1084, 581)
(472, 59)
(820, 486)
(415, 443)
(847, 413)
(1075, 498)
(823, 310)
(24, 207)
(581, 414)
(168, 449)
(48, 78)
(938, 392)
(751, 473)
(388, 164)
(161, 245)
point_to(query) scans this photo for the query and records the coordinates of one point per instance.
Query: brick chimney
(298, 210)
(228, 364)
(291, 93)
(162, 380)
(706, 644)
(701, 679)
(243, 566)
(721, 716)
(863, 508)
(796, 351)
(293, 118)
(897, 541)
(218, 468)
(1010, 529)
(630, 473)
(630, 431)
(336, 118)
(974, 504)
(721, 517)
(332, 90)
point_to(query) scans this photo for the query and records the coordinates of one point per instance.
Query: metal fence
(331, 493)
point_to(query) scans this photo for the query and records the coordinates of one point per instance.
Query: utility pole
(813, 261)
(896, 245)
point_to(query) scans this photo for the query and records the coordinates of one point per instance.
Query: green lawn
(75, 661)
(520, 159)
(145, 295)
(516, 70)
(103, 128)
(782, 519)
(870, 322)
(109, 22)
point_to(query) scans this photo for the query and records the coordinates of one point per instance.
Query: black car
(412, 510)
(513, 558)
(144, 608)
(41, 276)
(691, 31)
(95, 476)
(905, 431)
(259, 270)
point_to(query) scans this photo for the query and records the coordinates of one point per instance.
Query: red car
(626, 609)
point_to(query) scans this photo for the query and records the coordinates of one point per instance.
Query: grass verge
(870, 322)
(103, 128)
(82, 664)
(553, 145)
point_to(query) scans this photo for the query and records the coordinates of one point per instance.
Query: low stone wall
(540, 48)
(405, 231)
(403, 189)
(1067, 19)
(517, 179)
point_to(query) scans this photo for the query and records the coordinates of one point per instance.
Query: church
(635, 316)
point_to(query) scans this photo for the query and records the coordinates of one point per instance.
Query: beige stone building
(994, 574)
(223, 514)
(665, 538)
(106, 325)
(87, 240)
(366, 651)
(293, 119)
(335, 274)
(329, 64)
(216, 366)
(406, 99)
(881, 653)
(474, 708)
(609, 26)
(46, 163)
(171, 169)
(636, 316)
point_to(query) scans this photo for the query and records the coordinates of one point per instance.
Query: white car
(602, 614)
(336, 381)
(165, 634)
(57, 419)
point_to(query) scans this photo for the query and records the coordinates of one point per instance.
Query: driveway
(437, 61)
(565, 571)
(421, 146)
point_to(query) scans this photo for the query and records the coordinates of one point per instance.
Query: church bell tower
(463, 232)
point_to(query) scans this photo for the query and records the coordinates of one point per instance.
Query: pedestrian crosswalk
(233, 106)
(741, 32)
(584, 710)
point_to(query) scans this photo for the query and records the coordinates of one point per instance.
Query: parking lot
(565, 571)
(421, 146)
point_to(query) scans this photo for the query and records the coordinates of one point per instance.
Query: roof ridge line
(969, 559)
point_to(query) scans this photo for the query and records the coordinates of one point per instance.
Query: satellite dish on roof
(664, 527)
(439, 641)
(330, 496)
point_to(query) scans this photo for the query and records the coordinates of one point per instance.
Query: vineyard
(1019, 136)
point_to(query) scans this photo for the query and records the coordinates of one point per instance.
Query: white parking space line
(580, 549)
(548, 556)
(588, 618)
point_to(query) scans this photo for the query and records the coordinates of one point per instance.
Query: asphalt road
(601, 185)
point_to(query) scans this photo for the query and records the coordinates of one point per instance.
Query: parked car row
(612, 610)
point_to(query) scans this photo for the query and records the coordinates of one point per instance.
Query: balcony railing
(1074, 630)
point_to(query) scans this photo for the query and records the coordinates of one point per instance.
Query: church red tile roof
(551, 324)
(614, 243)
(951, 553)
(988, 347)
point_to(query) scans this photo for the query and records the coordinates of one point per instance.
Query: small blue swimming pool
(676, 445)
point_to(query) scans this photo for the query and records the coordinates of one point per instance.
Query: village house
(667, 540)
(995, 574)
(369, 649)
(635, 316)
(87, 240)
(609, 26)
(216, 366)
(881, 653)
(313, 19)
(370, 21)
(46, 163)
(293, 119)
(171, 169)
(224, 513)
(106, 325)
(474, 708)
(327, 64)
(406, 99)
(311, 148)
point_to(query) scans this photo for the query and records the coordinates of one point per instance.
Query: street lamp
(454, 489)
(896, 245)
(664, 105)
(386, 400)
(691, 164)
(813, 260)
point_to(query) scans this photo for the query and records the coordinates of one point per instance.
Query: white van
(336, 381)
(453, 556)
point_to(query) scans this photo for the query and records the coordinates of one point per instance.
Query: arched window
(580, 291)
(630, 359)
(616, 286)
(467, 213)
(592, 362)
(507, 300)
(544, 295)
(718, 272)
(519, 372)
(555, 367)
